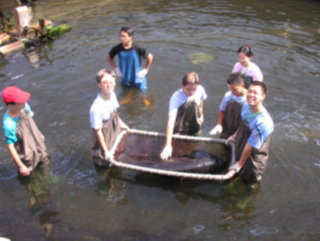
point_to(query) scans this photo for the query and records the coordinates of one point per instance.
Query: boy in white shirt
(104, 119)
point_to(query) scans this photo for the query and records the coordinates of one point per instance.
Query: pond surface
(74, 201)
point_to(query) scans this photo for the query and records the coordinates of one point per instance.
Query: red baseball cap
(14, 94)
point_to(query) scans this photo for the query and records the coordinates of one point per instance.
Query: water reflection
(113, 189)
(39, 187)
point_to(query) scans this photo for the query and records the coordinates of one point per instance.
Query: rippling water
(74, 201)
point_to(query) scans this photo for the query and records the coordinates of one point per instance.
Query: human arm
(246, 152)
(256, 73)
(145, 70)
(23, 169)
(113, 65)
(218, 128)
(201, 117)
(149, 61)
(201, 105)
(111, 62)
(167, 151)
(102, 143)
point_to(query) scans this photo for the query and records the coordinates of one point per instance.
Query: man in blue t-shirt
(130, 57)
(253, 136)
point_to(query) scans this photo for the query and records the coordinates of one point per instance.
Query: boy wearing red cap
(25, 142)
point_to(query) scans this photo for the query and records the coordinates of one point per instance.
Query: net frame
(184, 175)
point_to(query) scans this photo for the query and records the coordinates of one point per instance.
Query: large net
(193, 157)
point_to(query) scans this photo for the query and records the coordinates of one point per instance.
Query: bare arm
(201, 105)
(220, 118)
(149, 61)
(169, 130)
(101, 140)
(247, 150)
(23, 170)
(111, 62)
(167, 150)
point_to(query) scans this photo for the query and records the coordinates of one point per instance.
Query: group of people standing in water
(242, 117)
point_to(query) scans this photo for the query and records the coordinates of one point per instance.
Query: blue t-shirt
(260, 125)
(9, 125)
(130, 64)
(229, 96)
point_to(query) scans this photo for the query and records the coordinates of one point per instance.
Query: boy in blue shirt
(229, 116)
(25, 142)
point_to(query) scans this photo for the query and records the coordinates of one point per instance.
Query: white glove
(235, 167)
(216, 130)
(230, 139)
(166, 153)
(142, 73)
(107, 155)
(118, 72)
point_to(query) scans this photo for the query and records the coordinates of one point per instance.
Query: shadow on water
(234, 199)
(232, 196)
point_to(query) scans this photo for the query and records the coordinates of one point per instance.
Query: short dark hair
(190, 78)
(261, 84)
(245, 49)
(127, 30)
(235, 78)
(102, 72)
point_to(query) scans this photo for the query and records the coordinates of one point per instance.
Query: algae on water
(200, 58)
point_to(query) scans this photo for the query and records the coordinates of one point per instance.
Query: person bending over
(185, 111)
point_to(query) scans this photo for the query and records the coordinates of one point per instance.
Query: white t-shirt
(179, 98)
(229, 96)
(252, 70)
(101, 109)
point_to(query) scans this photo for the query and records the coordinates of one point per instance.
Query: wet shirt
(129, 62)
(179, 98)
(252, 70)
(10, 124)
(229, 96)
(260, 124)
(101, 110)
